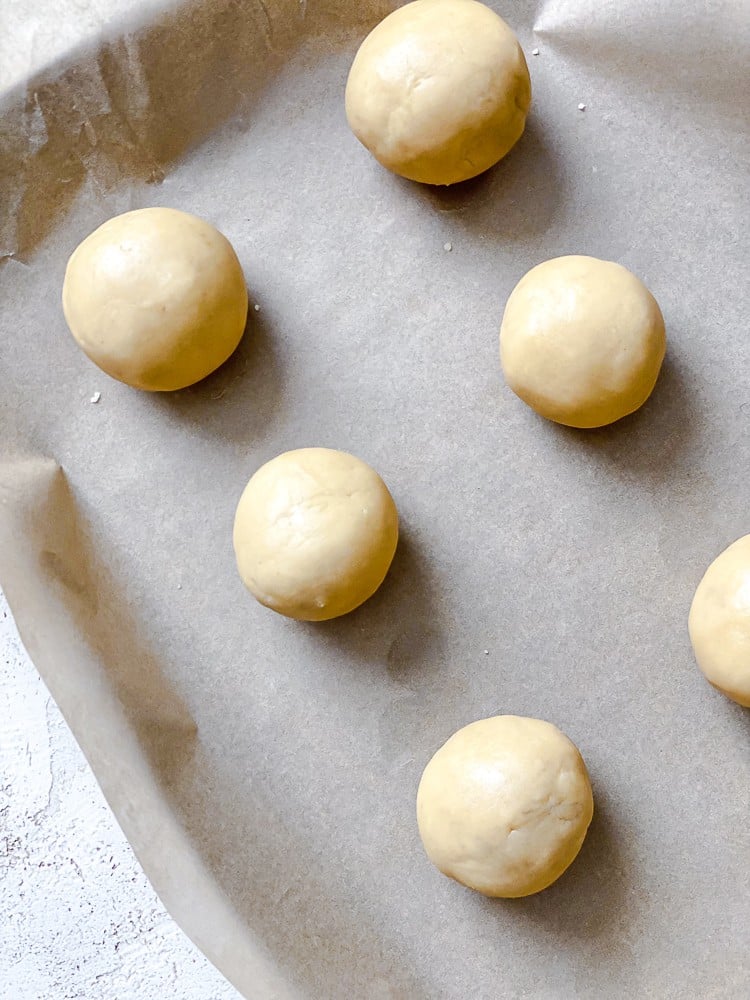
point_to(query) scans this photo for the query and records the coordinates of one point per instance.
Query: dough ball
(582, 341)
(504, 805)
(719, 622)
(156, 298)
(439, 91)
(314, 533)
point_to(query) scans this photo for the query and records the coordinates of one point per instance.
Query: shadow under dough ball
(719, 622)
(582, 341)
(503, 807)
(315, 533)
(439, 91)
(156, 298)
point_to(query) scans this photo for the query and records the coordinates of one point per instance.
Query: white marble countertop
(78, 919)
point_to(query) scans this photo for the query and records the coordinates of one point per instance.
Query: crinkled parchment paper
(265, 770)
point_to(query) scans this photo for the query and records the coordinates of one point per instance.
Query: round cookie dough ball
(156, 298)
(439, 91)
(719, 622)
(314, 533)
(504, 805)
(582, 341)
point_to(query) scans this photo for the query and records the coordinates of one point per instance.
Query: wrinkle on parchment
(702, 59)
(129, 107)
(42, 529)
(128, 720)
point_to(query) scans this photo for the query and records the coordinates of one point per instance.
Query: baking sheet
(265, 770)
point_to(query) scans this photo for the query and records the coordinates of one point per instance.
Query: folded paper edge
(127, 779)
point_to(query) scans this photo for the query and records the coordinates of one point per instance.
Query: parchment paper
(264, 770)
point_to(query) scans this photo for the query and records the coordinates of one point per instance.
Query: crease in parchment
(76, 580)
(706, 67)
(131, 725)
(128, 107)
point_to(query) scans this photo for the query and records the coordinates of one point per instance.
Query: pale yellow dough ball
(719, 622)
(156, 298)
(314, 533)
(503, 807)
(582, 341)
(439, 91)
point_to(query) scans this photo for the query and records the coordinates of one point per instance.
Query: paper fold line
(125, 715)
